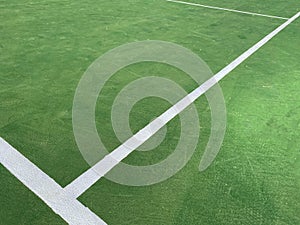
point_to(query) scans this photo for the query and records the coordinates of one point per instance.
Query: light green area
(45, 47)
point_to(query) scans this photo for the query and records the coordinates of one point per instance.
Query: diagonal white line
(66, 206)
(63, 200)
(229, 10)
(87, 179)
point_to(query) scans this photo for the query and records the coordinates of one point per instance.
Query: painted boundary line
(229, 10)
(67, 207)
(88, 178)
(63, 201)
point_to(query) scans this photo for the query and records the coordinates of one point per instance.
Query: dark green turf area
(46, 46)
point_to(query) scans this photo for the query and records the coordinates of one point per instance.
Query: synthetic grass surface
(47, 45)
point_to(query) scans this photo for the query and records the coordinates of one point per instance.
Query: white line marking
(66, 206)
(229, 10)
(88, 178)
(63, 201)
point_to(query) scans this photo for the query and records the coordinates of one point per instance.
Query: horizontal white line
(229, 10)
(66, 206)
(88, 178)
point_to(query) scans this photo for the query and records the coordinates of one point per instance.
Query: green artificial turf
(46, 46)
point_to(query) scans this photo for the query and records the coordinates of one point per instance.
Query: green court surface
(45, 48)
